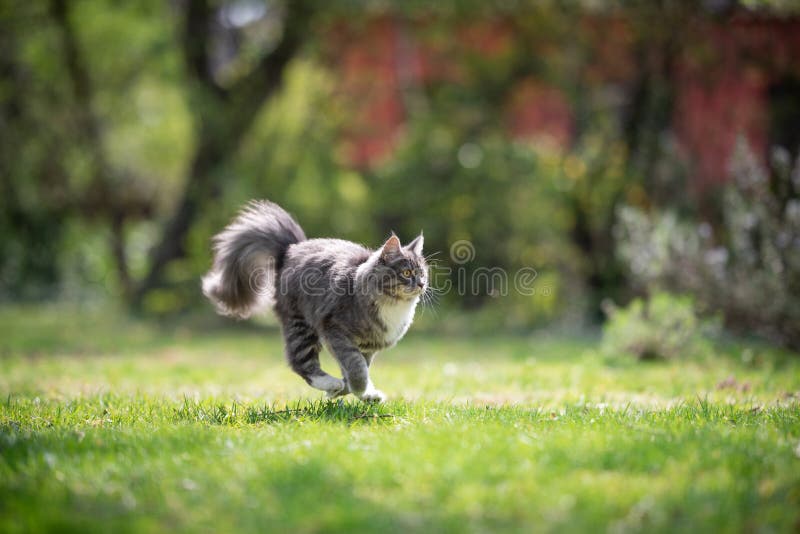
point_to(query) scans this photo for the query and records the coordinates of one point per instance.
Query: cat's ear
(416, 245)
(391, 247)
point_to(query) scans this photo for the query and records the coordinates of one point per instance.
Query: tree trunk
(223, 117)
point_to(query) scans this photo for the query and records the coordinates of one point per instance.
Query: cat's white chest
(397, 317)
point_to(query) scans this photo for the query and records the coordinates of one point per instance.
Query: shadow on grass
(333, 411)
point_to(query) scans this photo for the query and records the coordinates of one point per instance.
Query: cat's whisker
(429, 302)
(430, 298)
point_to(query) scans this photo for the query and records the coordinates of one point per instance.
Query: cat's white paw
(336, 392)
(332, 386)
(373, 395)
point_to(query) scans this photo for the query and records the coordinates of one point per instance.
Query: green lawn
(112, 424)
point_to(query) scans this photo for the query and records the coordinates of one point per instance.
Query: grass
(113, 424)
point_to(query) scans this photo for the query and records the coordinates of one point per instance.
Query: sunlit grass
(115, 424)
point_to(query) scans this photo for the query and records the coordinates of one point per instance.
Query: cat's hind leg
(302, 353)
(355, 368)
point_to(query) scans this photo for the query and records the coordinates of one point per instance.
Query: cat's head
(401, 271)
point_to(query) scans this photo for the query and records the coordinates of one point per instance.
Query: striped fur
(325, 292)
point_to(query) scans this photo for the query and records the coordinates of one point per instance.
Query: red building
(727, 78)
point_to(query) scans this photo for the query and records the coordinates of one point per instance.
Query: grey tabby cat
(354, 300)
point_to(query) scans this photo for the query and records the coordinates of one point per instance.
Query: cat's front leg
(354, 367)
(371, 394)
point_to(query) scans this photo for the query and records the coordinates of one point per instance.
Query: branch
(99, 194)
(253, 89)
(194, 41)
(117, 244)
(221, 132)
(79, 78)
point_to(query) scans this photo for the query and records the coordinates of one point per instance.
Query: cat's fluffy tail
(248, 255)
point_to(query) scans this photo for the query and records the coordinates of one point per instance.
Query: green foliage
(521, 203)
(117, 119)
(663, 326)
(749, 268)
(49, 190)
(500, 196)
(292, 158)
(455, 172)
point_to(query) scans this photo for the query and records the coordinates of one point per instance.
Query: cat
(354, 300)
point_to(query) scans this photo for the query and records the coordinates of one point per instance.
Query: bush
(748, 268)
(662, 327)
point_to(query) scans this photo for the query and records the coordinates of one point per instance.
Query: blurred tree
(30, 155)
(223, 114)
(524, 199)
(100, 198)
(749, 268)
(130, 132)
(224, 95)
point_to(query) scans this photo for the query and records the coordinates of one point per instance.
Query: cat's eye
(406, 273)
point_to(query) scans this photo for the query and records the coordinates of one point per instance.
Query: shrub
(748, 268)
(661, 327)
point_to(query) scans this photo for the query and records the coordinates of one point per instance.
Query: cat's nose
(420, 284)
